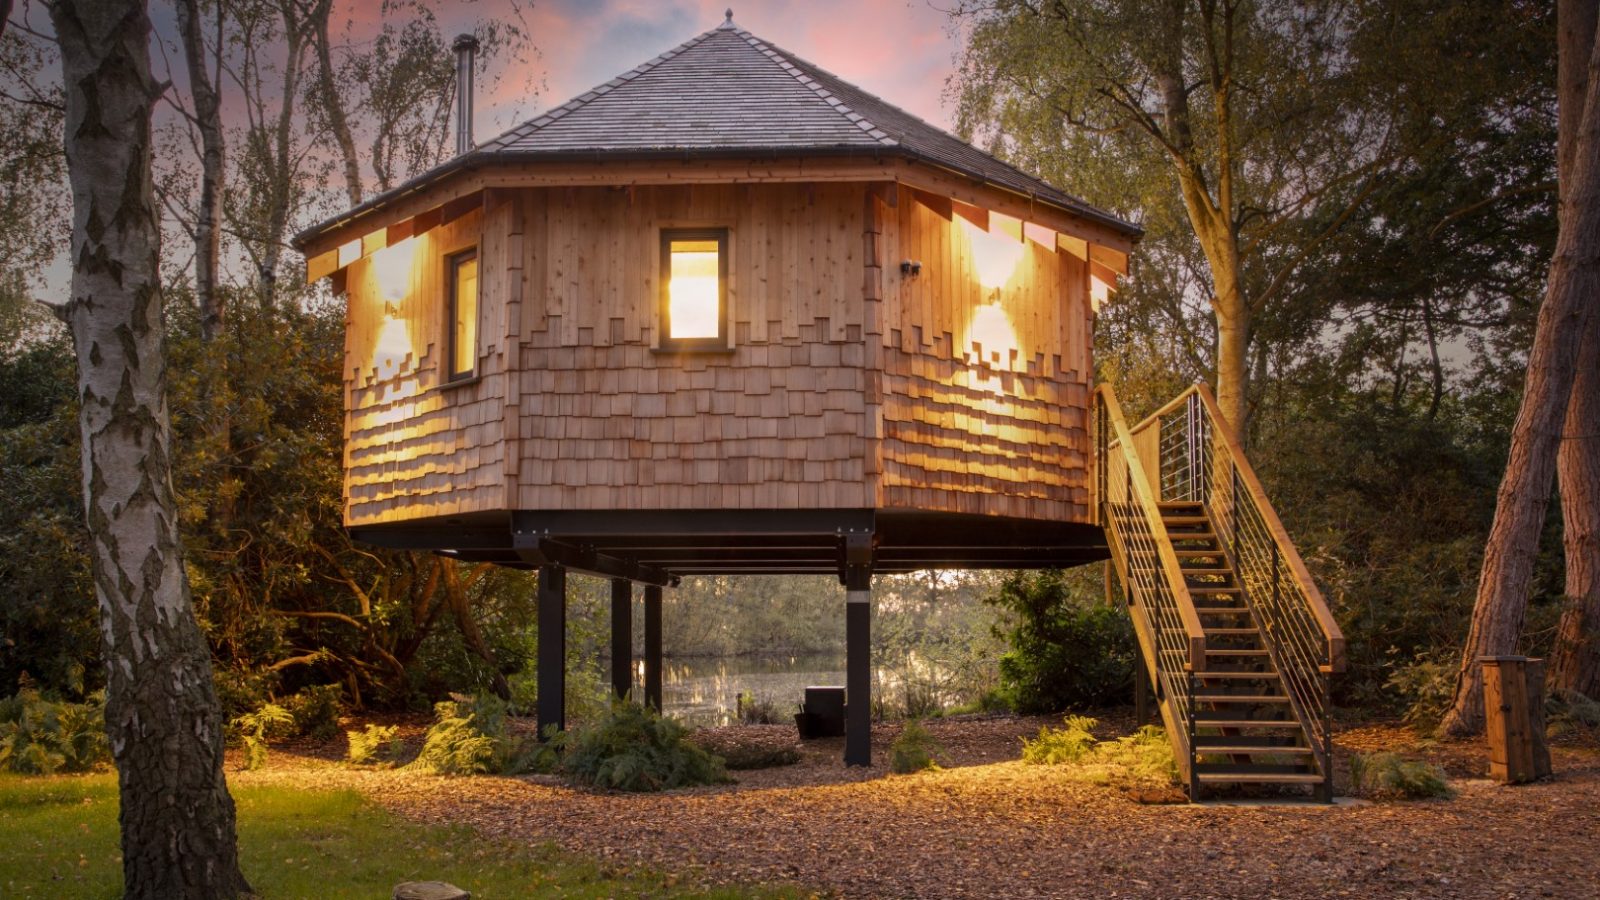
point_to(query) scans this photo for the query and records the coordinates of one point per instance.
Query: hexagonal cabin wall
(851, 385)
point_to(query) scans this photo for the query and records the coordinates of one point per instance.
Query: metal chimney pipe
(466, 47)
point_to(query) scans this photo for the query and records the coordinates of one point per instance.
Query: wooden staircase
(1235, 637)
(1244, 729)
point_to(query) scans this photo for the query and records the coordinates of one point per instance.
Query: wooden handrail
(1291, 556)
(1158, 529)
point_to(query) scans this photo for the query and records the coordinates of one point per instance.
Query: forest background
(1385, 357)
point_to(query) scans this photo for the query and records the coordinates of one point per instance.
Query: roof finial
(727, 21)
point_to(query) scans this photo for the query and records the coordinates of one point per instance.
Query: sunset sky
(902, 50)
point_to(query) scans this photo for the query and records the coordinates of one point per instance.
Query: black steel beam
(621, 637)
(652, 646)
(552, 674)
(541, 551)
(858, 680)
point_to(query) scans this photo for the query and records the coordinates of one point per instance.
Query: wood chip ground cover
(989, 826)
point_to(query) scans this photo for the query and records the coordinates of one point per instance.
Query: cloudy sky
(902, 50)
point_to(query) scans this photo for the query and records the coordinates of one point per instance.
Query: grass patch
(1143, 758)
(914, 750)
(59, 839)
(1389, 776)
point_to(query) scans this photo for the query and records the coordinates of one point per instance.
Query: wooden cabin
(725, 313)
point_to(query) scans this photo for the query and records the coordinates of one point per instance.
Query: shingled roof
(727, 92)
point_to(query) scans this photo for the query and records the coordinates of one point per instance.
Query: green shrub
(43, 737)
(256, 728)
(378, 744)
(1388, 776)
(634, 749)
(1567, 711)
(468, 737)
(914, 750)
(316, 711)
(1425, 688)
(1144, 757)
(1068, 649)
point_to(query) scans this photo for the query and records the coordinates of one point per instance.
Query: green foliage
(737, 758)
(375, 745)
(914, 750)
(256, 728)
(1389, 776)
(634, 749)
(1567, 711)
(1144, 757)
(1425, 688)
(1067, 647)
(757, 711)
(1060, 746)
(316, 710)
(468, 737)
(42, 737)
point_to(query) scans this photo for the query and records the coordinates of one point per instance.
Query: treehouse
(728, 314)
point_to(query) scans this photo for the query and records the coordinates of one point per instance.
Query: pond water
(705, 692)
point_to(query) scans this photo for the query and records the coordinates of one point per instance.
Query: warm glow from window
(464, 316)
(391, 268)
(995, 255)
(694, 298)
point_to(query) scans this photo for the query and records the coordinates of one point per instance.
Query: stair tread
(1223, 610)
(1233, 673)
(1225, 631)
(1209, 589)
(1251, 749)
(1236, 651)
(1186, 520)
(1241, 698)
(1277, 724)
(1264, 778)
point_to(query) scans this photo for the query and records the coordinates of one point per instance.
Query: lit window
(694, 275)
(463, 323)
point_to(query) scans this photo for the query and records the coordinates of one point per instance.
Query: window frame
(722, 342)
(452, 264)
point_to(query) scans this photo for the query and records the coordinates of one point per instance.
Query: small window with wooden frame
(694, 289)
(461, 323)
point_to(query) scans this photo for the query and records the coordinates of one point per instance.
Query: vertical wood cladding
(848, 385)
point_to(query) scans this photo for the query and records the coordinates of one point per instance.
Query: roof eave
(479, 158)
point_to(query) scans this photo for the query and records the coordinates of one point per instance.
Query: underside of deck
(659, 546)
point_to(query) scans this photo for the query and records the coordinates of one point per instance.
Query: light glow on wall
(391, 269)
(994, 335)
(1099, 292)
(393, 347)
(995, 254)
(693, 295)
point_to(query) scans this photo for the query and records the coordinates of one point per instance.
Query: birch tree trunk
(1575, 662)
(1524, 496)
(332, 102)
(208, 220)
(162, 713)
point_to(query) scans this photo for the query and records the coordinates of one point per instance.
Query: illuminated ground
(984, 827)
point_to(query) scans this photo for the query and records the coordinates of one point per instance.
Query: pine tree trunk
(1575, 663)
(162, 713)
(1524, 497)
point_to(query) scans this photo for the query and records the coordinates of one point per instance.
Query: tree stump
(1513, 701)
(429, 890)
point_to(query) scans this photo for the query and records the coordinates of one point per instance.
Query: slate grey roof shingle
(727, 92)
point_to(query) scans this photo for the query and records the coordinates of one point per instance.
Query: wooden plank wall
(413, 449)
(1002, 431)
(609, 423)
(850, 385)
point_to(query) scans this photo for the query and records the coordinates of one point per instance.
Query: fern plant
(1389, 776)
(377, 745)
(255, 728)
(634, 749)
(468, 737)
(43, 737)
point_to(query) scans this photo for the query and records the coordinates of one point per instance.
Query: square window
(694, 294)
(463, 322)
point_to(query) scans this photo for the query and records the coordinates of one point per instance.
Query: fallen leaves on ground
(987, 825)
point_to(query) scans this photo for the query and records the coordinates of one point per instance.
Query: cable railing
(1199, 460)
(1164, 615)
